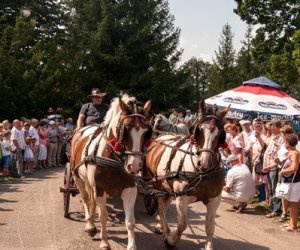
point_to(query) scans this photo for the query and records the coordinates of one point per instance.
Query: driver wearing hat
(94, 111)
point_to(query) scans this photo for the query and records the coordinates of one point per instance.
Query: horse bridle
(161, 127)
(198, 122)
(120, 132)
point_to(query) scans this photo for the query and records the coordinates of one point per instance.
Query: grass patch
(261, 207)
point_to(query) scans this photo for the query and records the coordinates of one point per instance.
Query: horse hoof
(92, 232)
(158, 230)
(168, 245)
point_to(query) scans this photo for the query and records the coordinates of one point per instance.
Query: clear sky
(201, 23)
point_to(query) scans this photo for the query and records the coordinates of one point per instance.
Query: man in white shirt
(246, 135)
(189, 118)
(34, 134)
(18, 146)
(239, 186)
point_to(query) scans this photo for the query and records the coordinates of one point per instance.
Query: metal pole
(197, 84)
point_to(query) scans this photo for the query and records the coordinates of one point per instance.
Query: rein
(193, 178)
(104, 161)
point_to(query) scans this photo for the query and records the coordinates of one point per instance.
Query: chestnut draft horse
(103, 159)
(188, 170)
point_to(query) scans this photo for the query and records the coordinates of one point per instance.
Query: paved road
(31, 217)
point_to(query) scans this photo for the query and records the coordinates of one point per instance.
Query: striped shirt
(272, 150)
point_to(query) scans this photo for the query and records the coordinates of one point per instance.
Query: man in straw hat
(94, 111)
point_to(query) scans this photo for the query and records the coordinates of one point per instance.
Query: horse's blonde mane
(115, 109)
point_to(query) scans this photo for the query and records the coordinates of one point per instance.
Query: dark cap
(96, 93)
(276, 122)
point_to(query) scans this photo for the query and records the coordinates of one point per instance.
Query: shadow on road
(235, 245)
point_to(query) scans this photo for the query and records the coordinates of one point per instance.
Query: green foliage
(276, 19)
(195, 72)
(245, 63)
(55, 57)
(28, 47)
(124, 45)
(274, 48)
(296, 52)
(222, 73)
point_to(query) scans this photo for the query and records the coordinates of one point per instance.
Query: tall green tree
(245, 67)
(124, 45)
(54, 57)
(273, 46)
(277, 20)
(196, 80)
(296, 52)
(27, 48)
(222, 73)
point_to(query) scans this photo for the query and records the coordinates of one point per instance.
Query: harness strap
(194, 178)
(169, 146)
(111, 150)
(174, 151)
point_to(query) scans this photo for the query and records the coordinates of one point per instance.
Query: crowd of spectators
(29, 144)
(179, 117)
(257, 155)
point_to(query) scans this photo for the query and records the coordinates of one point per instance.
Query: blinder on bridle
(123, 129)
(203, 119)
(148, 134)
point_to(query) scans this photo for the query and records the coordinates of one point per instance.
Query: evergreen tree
(55, 57)
(124, 45)
(222, 73)
(27, 46)
(245, 62)
(196, 80)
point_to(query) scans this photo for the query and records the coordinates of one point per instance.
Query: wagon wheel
(67, 193)
(150, 204)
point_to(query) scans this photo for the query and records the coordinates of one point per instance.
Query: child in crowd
(6, 154)
(180, 118)
(43, 134)
(28, 156)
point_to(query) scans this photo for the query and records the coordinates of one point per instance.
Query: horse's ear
(147, 107)
(202, 107)
(224, 112)
(123, 106)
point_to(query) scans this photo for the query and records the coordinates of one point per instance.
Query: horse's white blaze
(209, 136)
(134, 162)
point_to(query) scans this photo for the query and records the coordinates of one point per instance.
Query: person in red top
(43, 140)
